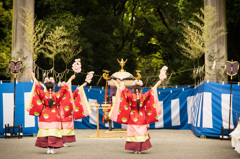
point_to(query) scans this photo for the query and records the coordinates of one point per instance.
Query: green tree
(199, 35)
(5, 36)
(55, 43)
(133, 30)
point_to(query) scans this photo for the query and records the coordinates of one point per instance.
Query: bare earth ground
(167, 144)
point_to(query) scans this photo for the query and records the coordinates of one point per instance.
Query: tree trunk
(18, 39)
(220, 45)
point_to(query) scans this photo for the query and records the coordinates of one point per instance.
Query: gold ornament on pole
(139, 76)
(106, 74)
(122, 63)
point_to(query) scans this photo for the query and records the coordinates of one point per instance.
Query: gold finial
(122, 63)
(139, 76)
(106, 74)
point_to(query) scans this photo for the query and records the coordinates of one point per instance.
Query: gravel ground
(167, 144)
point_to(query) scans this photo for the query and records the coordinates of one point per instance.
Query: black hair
(139, 88)
(49, 86)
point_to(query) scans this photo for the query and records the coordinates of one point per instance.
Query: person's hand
(32, 74)
(41, 84)
(73, 77)
(84, 84)
(158, 83)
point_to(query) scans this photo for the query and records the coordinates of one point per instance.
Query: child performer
(67, 131)
(45, 105)
(68, 134)
(137, 110)
(81, 107)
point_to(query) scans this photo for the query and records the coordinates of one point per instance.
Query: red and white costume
(81, 110)
(125, 111)
(49, 134)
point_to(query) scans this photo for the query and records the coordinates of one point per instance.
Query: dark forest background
(145, 32)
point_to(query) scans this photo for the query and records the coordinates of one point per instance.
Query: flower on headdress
(137, 82)
(89, 77)
(163, 71)
(61, 84)
(46, 80)
(76, 66)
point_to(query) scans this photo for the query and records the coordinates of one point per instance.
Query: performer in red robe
(137, 110)
(45, 105)
(81, 103)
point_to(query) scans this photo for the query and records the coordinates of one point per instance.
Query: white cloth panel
(225, 103)
(93, 115)
(200, 109)
(29, 119)
(8, 108)
(159, 123)
(207, 110)
(175, 112)
(189, 108)
(194, 107)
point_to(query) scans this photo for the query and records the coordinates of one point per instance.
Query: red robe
(125, 111)
(49, 134)
(81, 110)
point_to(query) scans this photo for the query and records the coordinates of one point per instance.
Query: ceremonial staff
(231, 70)
(15, 68)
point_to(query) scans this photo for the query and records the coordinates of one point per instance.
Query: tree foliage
(34, 32)
(144, 32)
(5, 36)
(140, 31)
(200, 34)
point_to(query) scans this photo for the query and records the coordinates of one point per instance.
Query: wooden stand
(222, 132)
(98, 106)
(8, 133)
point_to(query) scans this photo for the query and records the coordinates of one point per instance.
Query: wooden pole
(14, 100)
(219, 45)
(18, 39)
(98, 122)
(230, 108)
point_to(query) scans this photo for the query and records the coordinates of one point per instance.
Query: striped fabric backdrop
(203, 109)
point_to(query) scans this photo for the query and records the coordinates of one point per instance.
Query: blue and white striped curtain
(203, 109)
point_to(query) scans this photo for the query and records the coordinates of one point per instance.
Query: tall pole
(14, 101)
(19, 50)
(230, 107)
(231, 69)
(219, 45)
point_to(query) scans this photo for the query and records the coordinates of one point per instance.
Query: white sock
(52, 151)
(48, 150)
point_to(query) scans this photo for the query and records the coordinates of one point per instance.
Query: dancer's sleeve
(153, 108)
(35, 102)
(82, 108)
(120, 111)
(65, 100)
